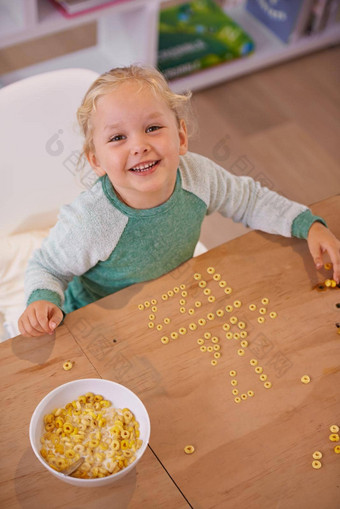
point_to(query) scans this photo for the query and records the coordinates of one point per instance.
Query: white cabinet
(128, 33)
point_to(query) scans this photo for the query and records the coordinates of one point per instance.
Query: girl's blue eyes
(121, 137)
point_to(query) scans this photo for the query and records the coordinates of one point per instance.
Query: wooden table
(253, 454)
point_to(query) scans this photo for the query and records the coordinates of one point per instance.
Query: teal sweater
(100, 245)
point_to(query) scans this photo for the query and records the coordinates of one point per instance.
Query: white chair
(40, 145)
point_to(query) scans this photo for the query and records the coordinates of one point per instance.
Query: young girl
(142, 218)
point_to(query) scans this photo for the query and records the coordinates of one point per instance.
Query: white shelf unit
(128, 33)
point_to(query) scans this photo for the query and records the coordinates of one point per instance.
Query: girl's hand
(321, 240)
(39, 318)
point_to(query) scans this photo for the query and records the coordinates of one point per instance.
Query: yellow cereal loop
(262, 311)
(211, 298)
(273, 314)
(189, 449)
(197, 276)
(202, 321)
(252, 307)
(217, 355)
(317, 455)
(200, 341)
(214, 339)
(244, 396)
(166, 320)
(233, 382)
(328, 266)
(202, 284)
(210, 270)
(328, 283)
(265, 301)
(192, 326)
(182, 330)
(240, 352)
(250, 393)
(244, 343)
(159, 327)
(263, 377)
(316, 464)
(198, 303)
(213, 362)
(141, 307)
(243, 334)
(220, 313)
(182, 286)
(305, 379)
(174, 335)
(253, 362)
(241, 325)
(228, 290)
(207, 335)
(191, 311)
(334, 437)
(229, 308)
(267, 385)
(237, 303)
(165, 340)
(154, 309)
(153, 302)
(164, 296)
(176, 289)
(203, 348)
(184, 293)
(147, 304)
(67, 365)
(210, 348)
(258, 370)
(182, 302)
(334, 428)
(235, 392)
(222, 284)
(217, 276)
(211, 316)
(232, 372)
(260, 319)
(182, 310)
(237, 399)
(236, 335)
(170, 293)
(233, 319)
(229, 335)
(337, 449)
(207, 291)
(226, 326)
(217, 348)
(151, 325)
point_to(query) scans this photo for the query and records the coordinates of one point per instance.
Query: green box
(196, 35)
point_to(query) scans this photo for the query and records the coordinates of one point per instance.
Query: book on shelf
(323, 14)
(287, 19)
(196, 35)
(75, 7)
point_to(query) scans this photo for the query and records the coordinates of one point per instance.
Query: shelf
(128, 33)
(269, 50)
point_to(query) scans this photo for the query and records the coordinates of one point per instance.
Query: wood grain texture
(30, 368)
(257, 453)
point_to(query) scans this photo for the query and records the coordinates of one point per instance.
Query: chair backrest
(40, 145)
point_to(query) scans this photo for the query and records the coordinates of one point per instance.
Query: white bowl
(120, 396)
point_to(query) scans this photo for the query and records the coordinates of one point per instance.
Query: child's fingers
(316, 252)
(55, 318)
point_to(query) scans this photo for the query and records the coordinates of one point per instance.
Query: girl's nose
(139, 146)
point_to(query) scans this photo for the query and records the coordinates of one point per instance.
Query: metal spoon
(72, 468)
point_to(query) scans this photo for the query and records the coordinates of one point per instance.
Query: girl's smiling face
(137, 142)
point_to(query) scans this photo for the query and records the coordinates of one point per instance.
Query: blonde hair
(111, 80)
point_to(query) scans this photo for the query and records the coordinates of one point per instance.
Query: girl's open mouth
(144, 167)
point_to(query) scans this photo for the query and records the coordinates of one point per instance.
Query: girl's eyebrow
(150, 118)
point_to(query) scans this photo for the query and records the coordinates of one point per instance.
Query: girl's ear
(92, 159)
(183, 138)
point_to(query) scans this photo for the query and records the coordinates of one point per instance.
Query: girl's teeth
(143, 167)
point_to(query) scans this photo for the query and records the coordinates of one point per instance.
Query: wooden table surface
(252, 454)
